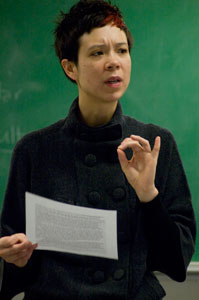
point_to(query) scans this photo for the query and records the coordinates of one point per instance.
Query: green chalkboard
(165, 74)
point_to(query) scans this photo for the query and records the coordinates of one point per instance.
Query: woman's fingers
(136, 143)
(23, 257)
(145, 143)
(16, 249)
(156, 148)
(122, 158)
(14, 244)
(129, 143)
(9, 241)
(19, 250)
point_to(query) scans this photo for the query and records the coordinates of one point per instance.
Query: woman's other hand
(140, 170)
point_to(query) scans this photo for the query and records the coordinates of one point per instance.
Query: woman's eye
(97, 53)
(123, 50)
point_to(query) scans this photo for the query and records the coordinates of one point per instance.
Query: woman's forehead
(102, 35)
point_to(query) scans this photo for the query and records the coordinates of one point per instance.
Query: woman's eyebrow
(121, 44)
(104, 45)
(96, 46)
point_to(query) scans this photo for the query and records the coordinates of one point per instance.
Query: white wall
(188, 290)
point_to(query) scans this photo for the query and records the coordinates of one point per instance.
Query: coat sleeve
(169, 220)
(15, 279)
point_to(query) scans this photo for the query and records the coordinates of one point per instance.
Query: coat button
(90, 160)
(118, 194)
(98, 277)
(94, 198)
(118, 274)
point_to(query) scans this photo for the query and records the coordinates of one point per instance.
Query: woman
(99, 158)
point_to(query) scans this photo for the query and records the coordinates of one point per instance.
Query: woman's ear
(69, 68)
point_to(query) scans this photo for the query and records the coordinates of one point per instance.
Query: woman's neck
(96, 115)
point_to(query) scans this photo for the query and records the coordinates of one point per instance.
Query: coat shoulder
(146, 130)
(36, 137)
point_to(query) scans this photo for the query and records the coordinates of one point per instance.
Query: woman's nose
(112, 63)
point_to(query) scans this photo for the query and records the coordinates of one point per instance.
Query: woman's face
(104, 65)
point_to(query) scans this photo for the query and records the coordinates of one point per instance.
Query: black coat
(72, 163)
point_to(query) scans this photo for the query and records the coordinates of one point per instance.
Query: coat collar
(109, 132)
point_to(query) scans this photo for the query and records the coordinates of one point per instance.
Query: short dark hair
(84, 16)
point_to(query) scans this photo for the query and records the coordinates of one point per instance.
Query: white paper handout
(69, 228)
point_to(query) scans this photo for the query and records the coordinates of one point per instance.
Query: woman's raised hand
(140, 170)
